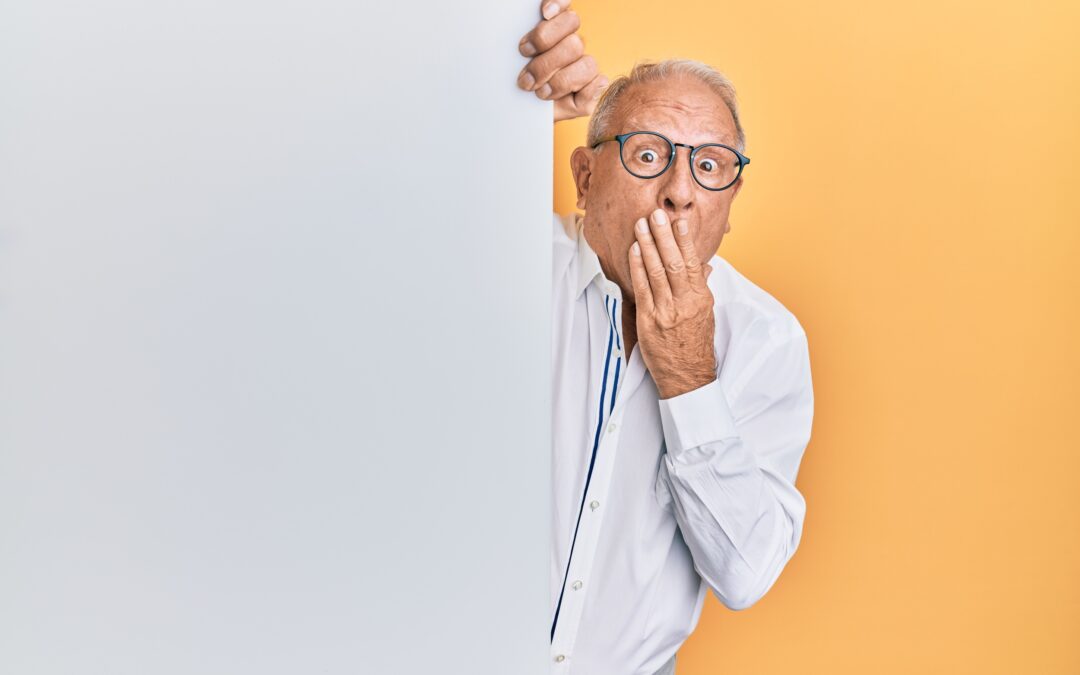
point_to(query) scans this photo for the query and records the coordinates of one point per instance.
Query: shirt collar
(589, 262)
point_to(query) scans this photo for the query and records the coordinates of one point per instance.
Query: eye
(707, 165)
(647, 156)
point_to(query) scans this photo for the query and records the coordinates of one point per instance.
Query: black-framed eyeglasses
(647, 154)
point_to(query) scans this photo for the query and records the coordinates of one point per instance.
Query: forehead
(682, 108)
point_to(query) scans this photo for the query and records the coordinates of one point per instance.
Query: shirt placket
(580, 570)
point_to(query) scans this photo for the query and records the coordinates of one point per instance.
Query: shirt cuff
(695, 418)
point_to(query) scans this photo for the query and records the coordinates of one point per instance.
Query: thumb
(708, 270)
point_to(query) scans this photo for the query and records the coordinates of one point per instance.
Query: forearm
(741, 523)
(731, 487)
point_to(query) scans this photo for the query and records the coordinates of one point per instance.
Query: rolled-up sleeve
(730, 467)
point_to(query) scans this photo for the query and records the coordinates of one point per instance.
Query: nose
(677, 189)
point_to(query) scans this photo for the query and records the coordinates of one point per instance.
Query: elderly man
(674, 463)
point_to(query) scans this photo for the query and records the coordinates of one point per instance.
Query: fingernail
(636, 248)
(527, 48)
(544, 91)
(682, 227)
(642, 226)
(603, 82)
(550, 9)
(661, 217)
(526, 80)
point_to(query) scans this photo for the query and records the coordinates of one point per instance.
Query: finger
(654, 265)
(581, 103)
(547, 34)
(708, 269)
(689, 254)
(639, 279)
(670, 254)
(550, 9)
(542, 67)
(569, 79)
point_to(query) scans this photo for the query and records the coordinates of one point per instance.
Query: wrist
(684, 385)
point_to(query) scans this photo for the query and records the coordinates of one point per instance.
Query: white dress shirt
(656, 501)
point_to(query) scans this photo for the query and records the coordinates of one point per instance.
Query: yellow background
(914, 199)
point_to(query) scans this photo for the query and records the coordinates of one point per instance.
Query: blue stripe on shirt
(612, 332)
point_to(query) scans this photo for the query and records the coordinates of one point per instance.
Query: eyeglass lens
(647, 155)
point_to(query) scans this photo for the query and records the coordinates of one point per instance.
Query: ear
(736, 187)
(581, 165)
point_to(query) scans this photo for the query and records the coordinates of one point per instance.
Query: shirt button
(618, 352)
(577, 585)
(594, 505)
(611, 427)
(560, 658)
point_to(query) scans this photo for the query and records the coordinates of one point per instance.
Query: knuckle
(558, 82)
(541, 68)
(543, 36)
(581, 78)
(576, 44)
(675, 266)
(566, 25)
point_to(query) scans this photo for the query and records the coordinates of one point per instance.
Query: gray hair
(600, 123)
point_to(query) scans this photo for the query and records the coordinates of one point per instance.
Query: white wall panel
(274, 341)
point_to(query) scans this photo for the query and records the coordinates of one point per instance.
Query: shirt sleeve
(729, 471)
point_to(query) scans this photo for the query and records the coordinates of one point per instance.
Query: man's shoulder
(749, 308)
(565, 228)
(565, 232)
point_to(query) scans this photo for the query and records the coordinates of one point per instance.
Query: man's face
(686, 111)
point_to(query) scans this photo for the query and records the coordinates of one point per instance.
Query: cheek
(623, 192)
(723, 205)
(707, 243)
(625, 203)
(619, 212)
(709, 247)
